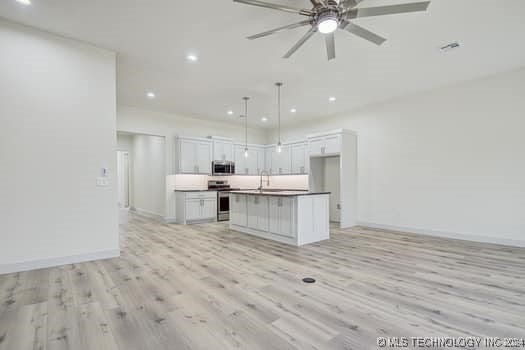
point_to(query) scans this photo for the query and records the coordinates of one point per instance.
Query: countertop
(195, 190)
(284, 193)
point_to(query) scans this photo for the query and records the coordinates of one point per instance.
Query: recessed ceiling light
(192, 58)
(293, 110)
(150, 94)
(230, 112)
(332, 99)
(264, 119)
(24, 2)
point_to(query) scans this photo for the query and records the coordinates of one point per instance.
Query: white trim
(64, 260)
(147, 213)
(170, 220)
(461, 236)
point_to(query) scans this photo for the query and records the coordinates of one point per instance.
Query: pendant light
(246, 126)
(279, 144)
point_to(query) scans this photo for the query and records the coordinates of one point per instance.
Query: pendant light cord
(246, 122)
(279, 110)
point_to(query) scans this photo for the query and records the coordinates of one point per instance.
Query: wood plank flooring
(206, 287)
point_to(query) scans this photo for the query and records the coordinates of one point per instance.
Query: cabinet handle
(302, 170)
(280, 171)
(246, 171)
(322, 150)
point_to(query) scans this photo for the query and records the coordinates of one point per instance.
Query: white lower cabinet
(193, 207)
(281, 216)
(295, 220)
(238, 210)
(257, 210)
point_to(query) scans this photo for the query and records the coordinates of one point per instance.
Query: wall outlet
(102, 181)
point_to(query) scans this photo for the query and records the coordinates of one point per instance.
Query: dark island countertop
(280, 193)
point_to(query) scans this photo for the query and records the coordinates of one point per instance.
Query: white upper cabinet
(193, 156)
(299, 158)
(251, 165)
(324, 145)
(281, 163)
(223, 150)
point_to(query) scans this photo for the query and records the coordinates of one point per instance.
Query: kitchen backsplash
(200, 182)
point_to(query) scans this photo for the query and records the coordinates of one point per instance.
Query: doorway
(325, 176)
(123, 179)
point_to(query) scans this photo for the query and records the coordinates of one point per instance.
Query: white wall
(449, 161)
(57, 110)
(149, 174)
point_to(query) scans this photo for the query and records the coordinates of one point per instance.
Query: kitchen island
(292, 217)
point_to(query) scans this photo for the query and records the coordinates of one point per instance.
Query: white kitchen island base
(295, 219)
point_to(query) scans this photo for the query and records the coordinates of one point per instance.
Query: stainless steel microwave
(223, 167)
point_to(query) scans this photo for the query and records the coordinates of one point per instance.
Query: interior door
(332, 184)
(123, 178)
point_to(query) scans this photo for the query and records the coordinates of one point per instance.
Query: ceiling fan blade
(386, 10)
(330, 45)
(363, 33)
(280, 29)
(301, 41)
(276, 7)
(350, 4)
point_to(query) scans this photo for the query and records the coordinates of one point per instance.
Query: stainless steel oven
(223, 206)
(222, 167)
(223, 198)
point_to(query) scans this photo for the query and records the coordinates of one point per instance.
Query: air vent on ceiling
(449, 47)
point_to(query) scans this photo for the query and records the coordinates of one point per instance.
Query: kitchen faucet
(267, 180)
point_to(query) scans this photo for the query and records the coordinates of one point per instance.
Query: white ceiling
(153, 38)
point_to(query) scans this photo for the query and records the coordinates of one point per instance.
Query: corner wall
(58, 127)
(447, 162)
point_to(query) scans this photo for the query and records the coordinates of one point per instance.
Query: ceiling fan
(327, 16)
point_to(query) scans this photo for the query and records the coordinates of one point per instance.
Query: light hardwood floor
(206, 287)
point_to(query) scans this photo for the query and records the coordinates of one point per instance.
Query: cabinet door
(268, 160)
(228, 151)
(261, 164)
(203, 155)
(240, 160)
(238, 209)
(298, 152)
(252, 161)
(316, 146)
(252, 211)
(286, 219)
(193, 209)
(262, 214)
(187, 156)
(209, 208)
(218, 150)
(274, 213)
(222, 150)
(282, 161)
(332, 144)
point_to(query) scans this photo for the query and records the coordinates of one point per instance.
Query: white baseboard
(51, 262)
(148, 213)
(170, 220)
(461, 236)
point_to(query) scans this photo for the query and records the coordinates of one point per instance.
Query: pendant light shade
(279, 144)
(246, 126)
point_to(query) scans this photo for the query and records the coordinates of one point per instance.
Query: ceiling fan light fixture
(328, 24)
